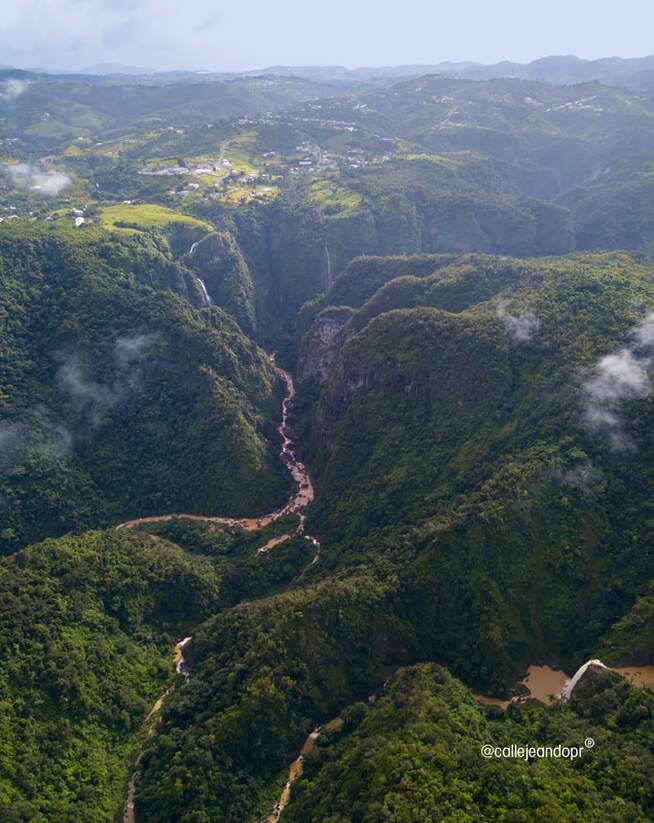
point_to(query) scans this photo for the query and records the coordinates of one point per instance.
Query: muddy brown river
(296, 504)
(547, 684)
(543, 682)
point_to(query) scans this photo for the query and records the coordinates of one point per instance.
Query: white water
(181, 664)
(205, 294)
(329, 265)
(576, 677)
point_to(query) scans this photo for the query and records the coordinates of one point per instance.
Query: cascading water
(329, 265)
(205, 294)
(181, 665)
(576, 677)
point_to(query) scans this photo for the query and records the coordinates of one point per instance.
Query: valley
(310, 586)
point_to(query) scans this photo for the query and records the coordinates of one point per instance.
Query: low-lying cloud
(97, 396)
(131, 347)
(616, 379)
(644, 334)
(12, 88)
(35, 432)
(580, 474)
(94, 398)
(523, 327)
(47, 182)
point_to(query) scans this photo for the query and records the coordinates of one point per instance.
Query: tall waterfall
(329, 265)
(205, 294)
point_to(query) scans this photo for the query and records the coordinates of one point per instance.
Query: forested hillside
(352, 394)
(121, 399)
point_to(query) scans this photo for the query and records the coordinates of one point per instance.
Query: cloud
(72, 379)
(581, 474)
(92, 398)
(644, 334)
(523, 327)
(131, 347)
(210, 22)
(35, 433)
(12, 88)
(70, 34)
(49, 183)
(616, 379)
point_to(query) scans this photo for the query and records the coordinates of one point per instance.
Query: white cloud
(523, 327)
(35, 432)
(12, 88)
(131, 347)
(617, 378)
(49, 183)
(93, 398)
(644, 334)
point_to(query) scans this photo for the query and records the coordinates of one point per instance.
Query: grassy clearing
(146, 215)
(335, 199)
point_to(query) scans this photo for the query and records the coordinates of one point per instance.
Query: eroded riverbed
(302, 495)
(298, 500)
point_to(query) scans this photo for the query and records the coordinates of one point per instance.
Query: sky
(238, 36)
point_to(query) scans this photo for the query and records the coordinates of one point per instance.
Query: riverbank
(296, 503)
(546, 684)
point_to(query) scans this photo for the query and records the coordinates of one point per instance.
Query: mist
(48, 183)
(616, 379)
(12, 88)
(35, 432)
(523, 327)
(92, 398)
(70, 34)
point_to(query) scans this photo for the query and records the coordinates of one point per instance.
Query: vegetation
(474, 405)
(414, 755)
(146, 216)
(119, 399)
(88, 625)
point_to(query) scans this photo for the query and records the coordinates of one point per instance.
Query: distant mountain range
(635, 74)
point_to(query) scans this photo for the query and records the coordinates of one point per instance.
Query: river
(547, 684)
(181, 667)
(296, 504)
(542, 682)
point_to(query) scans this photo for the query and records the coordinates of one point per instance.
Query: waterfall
(181, 666)
(329, 265)
(567, 691)
(205, 294)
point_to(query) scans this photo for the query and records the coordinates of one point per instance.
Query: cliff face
(321, 344)
(218, 261)
(295, 252)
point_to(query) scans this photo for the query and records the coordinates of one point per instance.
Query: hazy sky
(164, 34)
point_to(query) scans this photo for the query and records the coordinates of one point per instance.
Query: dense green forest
(414, 755)
(119, 398)
(457, 276)
(87, 628)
